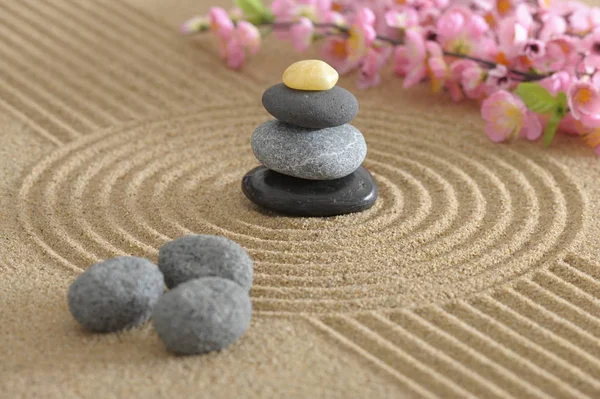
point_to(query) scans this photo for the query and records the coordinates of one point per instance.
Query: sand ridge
(475, 274)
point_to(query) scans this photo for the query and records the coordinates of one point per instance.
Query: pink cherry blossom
(511, 37)
(335, 18)
(497, 79)
(584, 103)
(335, 52)
(596, 79)
(557, 82)
(561, 54)
(452, 22)
(584, 19)
(249, 36)
(471, 77)
(401, 61)
(532, 126)
(416, 54)
(553, 26)
(302, 34)
(439, 72)
(362, 34)
(365, 15)
(506, 117)
(534, 49)
(591, 46)
(402, 19)
(513, 31)
(220, 23)
(235, 54)
(459, 30)
(283, 10)
(466, 48)
(370, 66)
(523, 15)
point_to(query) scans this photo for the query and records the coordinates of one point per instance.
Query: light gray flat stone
(314, 154)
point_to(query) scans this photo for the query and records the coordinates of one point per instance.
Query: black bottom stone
(299, 197)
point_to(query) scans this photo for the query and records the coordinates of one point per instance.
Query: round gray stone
(116, 294)
(195, 256)
(202, 315)
(314, 154)
(312, 109)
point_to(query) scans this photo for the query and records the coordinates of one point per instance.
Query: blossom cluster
(534, 66)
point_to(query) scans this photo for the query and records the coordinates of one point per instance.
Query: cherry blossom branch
(542, 74)
(395, 42)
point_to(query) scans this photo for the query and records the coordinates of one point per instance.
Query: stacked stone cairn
(310, 153)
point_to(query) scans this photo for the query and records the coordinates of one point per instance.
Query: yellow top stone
(310, 75)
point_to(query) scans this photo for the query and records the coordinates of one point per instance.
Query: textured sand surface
(476, 274)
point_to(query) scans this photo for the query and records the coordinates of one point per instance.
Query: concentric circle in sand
(453, 217)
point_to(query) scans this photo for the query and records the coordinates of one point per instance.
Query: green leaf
(552, 125)
(561, 100)
(254, 10)
(536, 98)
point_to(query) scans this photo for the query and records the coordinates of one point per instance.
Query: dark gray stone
(202, 315)
(312, 109)
(314, 154)
(299, 197)
(195, 256)
(116, 294)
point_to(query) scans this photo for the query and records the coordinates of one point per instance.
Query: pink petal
(301, 34)
(322, 6)
(591, 121)
(220, 22)
(249, 36)
(438, 67)
(283, 10)
(392, 18)
(401, 61)
(456, 94)
(554, 26)
(532, 127)
(579, 20)
(415, 45)
(495, 104)
(478, 26)
(524, 17)
(588, 113)
(365, 15)
(495, 134)
(235, 54)
(457, 68)
(570, 125)
(434, 49)
(415, 75)
(520, 34)
(450, 24)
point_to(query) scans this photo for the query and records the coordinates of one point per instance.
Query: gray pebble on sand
(116, 294)
(202, 315)
(195, 256)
